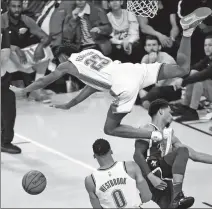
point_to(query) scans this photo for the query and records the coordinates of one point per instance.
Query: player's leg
(189, 23)
(175, 164)
(114, 127)
(118, 110)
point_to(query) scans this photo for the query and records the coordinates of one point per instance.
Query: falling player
(167, 158)
(115, 184)
(124, 80)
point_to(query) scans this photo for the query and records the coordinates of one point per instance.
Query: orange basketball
(34, 182)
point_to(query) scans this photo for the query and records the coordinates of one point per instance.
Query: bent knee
(108, 130)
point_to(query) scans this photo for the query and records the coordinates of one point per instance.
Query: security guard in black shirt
(8, 100)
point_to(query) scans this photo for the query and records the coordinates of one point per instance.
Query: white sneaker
(195, 18)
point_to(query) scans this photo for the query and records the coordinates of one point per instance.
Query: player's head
(15, 8)
(161, 111)
(115, 4)
(208, 46)
(101, 149)
(81, 3)
(152, 44)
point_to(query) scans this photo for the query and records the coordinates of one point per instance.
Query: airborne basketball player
(166, 159)
(115, 184)
(123, 80)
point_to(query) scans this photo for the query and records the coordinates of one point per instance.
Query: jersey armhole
(94, 181)
(125, 168)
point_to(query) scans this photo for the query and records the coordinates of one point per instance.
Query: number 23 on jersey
(96, 62)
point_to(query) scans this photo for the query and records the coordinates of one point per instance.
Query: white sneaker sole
(195, 18)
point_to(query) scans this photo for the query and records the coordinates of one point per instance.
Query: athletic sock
(177, 188)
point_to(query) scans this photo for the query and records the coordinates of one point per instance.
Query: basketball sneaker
(182, 202)
(195, 18)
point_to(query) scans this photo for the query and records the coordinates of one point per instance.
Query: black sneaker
(179, 109)
(182, 202)
(189, 115)
(10, 148)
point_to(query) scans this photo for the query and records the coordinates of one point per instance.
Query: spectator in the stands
(125, 35)
(185, 7)
(33, 8)
(200, 83)
(57, 23)
(164, 26)
(29, 43)
(95, 28)
(162, 89)
(3, 6)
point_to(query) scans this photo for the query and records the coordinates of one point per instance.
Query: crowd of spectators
(45, 33)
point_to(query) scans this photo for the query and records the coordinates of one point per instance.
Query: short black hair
(156, 105)
(149, 37)
(101, 147)
(208, 36)
(8, 1)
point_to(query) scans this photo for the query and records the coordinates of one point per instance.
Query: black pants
(8, 115)
(163, 198)
(162, 92)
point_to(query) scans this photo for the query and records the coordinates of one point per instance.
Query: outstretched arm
(90, 187)
(46, 80)
(84, 94)
(193, 155)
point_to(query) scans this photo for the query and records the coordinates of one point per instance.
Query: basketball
(34, 182)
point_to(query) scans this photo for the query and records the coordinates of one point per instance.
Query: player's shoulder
(148, 126)
(131, 166)
(89, 182)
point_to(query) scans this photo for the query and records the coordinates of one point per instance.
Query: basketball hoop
(144, 8)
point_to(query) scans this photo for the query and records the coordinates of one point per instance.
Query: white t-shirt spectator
(125, 27)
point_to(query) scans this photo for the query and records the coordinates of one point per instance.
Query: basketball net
(144, 8)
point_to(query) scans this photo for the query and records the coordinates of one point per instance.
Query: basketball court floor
(59, 144)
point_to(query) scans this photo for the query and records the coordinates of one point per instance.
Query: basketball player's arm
(84, 94)
(193, 154)
(134, 171)
(46, 80)
(90, 187)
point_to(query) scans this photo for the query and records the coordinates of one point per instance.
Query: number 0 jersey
(115, 188)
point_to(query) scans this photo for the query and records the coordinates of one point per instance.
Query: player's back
(91, 59)
(115, 188)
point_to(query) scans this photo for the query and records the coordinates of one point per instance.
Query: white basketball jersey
(90, 59)
(89, 63)
(101, 73)
(115, 188)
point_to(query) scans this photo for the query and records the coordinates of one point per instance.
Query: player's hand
(61, 106)
(21, 55)
(177, 84)
(95, 30)
(156, 136)
(164, 40)
(39, 54)
(152, 57)
(157, 182)
(19, 92)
